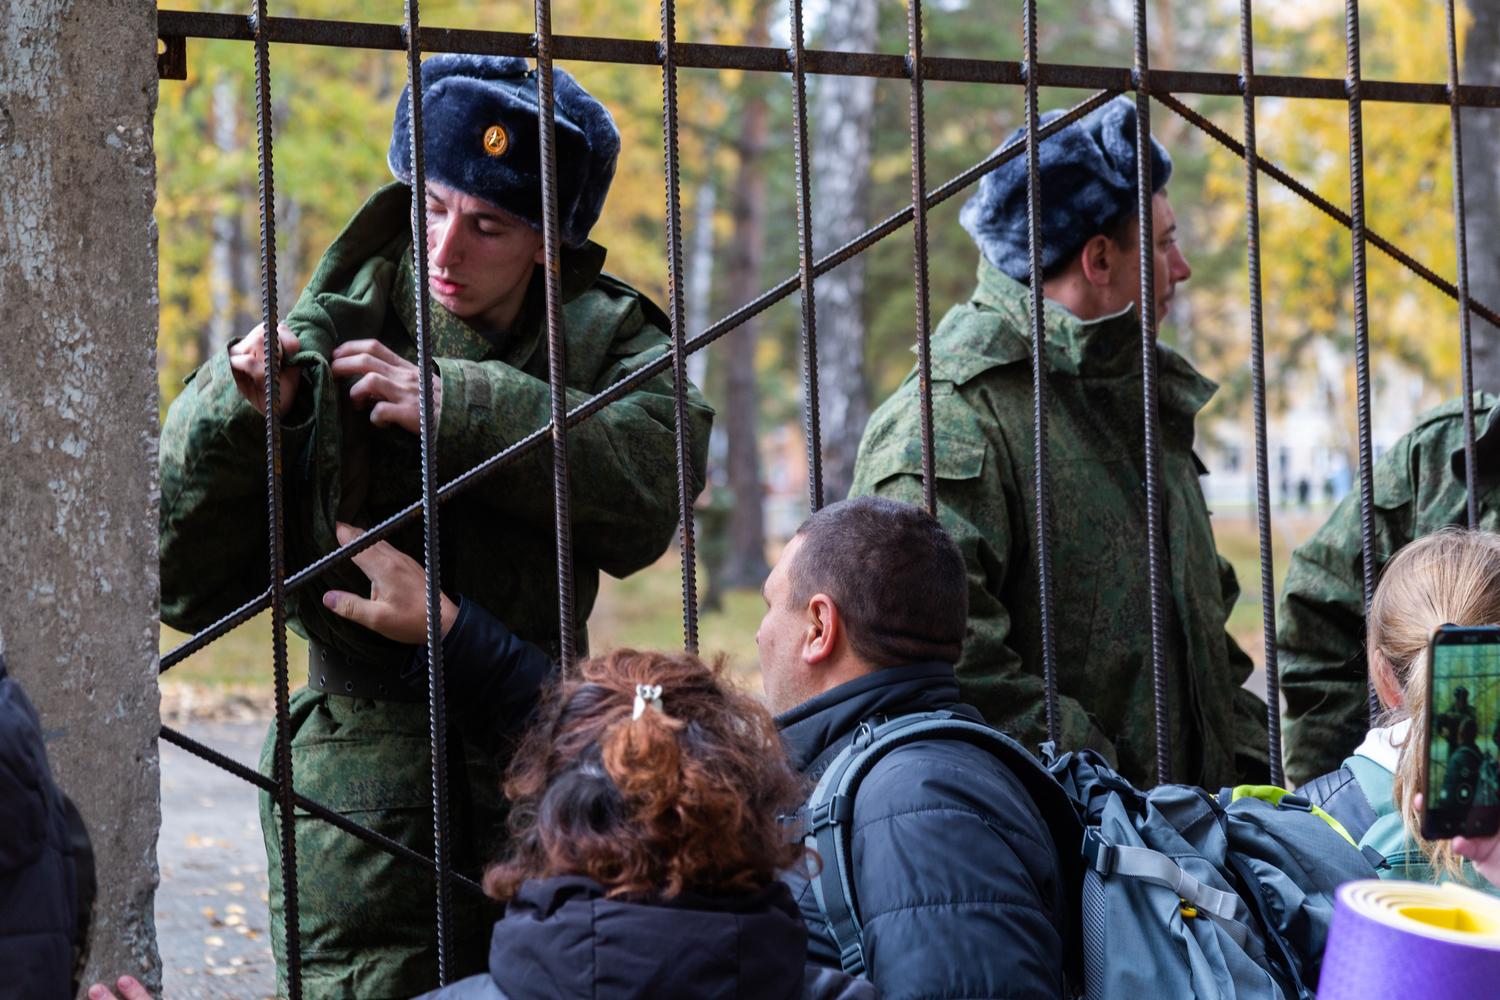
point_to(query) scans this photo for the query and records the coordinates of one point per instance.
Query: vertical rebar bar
(1041, 450)
(431, 544)
(1460, 236)
(556, 347)
(275, 513)
(812, 425)
(1352, 88)
(1258, 394)
(919, 249)
(686, 494)
(1147, 247)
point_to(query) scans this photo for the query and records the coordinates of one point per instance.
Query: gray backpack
(1181, 893)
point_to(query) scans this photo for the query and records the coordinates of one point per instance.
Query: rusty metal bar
(557, 371)
(1149, 394)
(919, 249)
(1353, 89)
(686, 491)
(1258, 397)
(431, 539)
(629, 383)
(316, 809)
(812, 426)
(275, 501)
(1041, 451)
(1461, 239)
(764, 59)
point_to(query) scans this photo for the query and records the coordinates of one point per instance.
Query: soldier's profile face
(479, 257)
(1170, 266)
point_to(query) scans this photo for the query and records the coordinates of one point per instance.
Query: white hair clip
(646, 694)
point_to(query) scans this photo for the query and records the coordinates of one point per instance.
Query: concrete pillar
(78, 429)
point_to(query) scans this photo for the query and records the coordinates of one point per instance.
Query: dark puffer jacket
(957, 879)
(40, 872)
(562, 938)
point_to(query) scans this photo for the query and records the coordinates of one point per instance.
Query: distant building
(1311, 431)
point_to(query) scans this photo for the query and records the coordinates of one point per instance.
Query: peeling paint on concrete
(78, 428)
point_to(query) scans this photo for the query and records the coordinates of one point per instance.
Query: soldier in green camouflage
(1419, 487)
(983, 444)
(350, 398)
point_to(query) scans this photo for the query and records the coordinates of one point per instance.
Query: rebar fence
(1150, 87)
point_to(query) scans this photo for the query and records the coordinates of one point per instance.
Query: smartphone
(1461, 793)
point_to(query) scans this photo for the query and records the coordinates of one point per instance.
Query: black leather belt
(332, 672)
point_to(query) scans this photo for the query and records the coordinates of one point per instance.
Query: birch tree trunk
(841, 118)
(1481, 161)
(232, 266)
(745, 564)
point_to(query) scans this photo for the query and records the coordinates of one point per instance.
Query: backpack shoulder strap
(830, 809)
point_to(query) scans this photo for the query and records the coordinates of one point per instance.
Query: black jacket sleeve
(492, 678)
(957, 879)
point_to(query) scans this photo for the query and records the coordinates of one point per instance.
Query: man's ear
(825, 626)
(540, 256)
(1097, 260)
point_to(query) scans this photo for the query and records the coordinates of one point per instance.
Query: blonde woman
(1449, 577)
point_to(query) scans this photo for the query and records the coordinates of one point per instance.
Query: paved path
(211, 918)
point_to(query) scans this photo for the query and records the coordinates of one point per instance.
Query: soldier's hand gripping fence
(1159, 86)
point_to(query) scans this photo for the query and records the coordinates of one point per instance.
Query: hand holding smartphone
(1461, 755)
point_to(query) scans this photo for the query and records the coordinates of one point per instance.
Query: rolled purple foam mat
(1411, 941)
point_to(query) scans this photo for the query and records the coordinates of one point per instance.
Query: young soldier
(350, 398)
(982, 420)
(1419, 486)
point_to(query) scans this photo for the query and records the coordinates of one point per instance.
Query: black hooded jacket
(562, 938)
(46, 869)
(958, 881)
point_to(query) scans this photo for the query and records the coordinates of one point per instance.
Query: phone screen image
(1463, 734)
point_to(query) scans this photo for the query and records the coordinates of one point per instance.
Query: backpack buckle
(1291, 800)
(1099, 855)
(852, 958)
(836, 811)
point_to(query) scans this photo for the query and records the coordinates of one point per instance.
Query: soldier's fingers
(246, 367)
(351, 365)
(403, 415)
(374, 387)
(346, 533)
(348, 347)
(357, 609)
(249, 341)
(290, 344)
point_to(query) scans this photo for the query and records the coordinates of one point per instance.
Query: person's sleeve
(957, 884)
(493, 678)
(1320, 627)
(622, 459)
(976, 509)
(213, 494)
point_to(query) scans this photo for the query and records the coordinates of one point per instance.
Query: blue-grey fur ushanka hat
(479, 120)
(1087, 175)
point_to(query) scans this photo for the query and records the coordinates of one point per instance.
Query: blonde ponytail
(1449, 577)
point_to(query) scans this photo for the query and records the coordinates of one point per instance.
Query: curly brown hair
(686, 797)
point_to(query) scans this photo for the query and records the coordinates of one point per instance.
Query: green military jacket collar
(1101, 347)
(1486, 454)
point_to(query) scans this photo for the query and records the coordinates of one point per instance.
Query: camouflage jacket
(497, 536)
(1320, 624)
(982, 417)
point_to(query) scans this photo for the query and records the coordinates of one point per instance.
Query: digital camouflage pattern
(497, 546)
(983, 440)
(1320, 624)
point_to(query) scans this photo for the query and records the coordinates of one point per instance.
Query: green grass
(1238, 539)
(239, 661)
